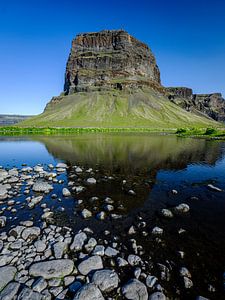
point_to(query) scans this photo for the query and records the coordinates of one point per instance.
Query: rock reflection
(131, 152)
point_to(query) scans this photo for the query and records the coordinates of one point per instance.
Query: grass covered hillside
(142, 108)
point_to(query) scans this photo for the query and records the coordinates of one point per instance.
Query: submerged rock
(2, 221)
(166, 213)
(91, 181)
(182, 208)
(86, 213)
(4, 191)
(214, 188)
(42, 187)
(157, 231)
(66, 192)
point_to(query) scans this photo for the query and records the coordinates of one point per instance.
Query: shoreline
(207, 133)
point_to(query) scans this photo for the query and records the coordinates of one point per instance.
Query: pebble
(66, 192)
(157, 231)
(86, 213)
(111, 252)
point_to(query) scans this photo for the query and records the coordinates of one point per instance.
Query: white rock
(157, 231)
(91, 181)
(66, 192)
(40, 246)
(35, 201)
(111, 252)
(61, 165)
(89, 292)
(10, 291)
(2, 221)
(134, 260)
(39, 285)
(59, 249)
(4, 191)
(78, 170)
(188, 283)
(182, 208)
(99, 250)
(78, 242)
(52, 269)
(78, 189)
(151, 281)
(106, 280)
(90, 264)
(42, 187)
(185, 272)
(101, 215)
(86, 213)
(7, 274)
(157, 296)
(90, 245)
(214, 188)
(121, 262)
(167, 213)
(135, 290)
(31, 233)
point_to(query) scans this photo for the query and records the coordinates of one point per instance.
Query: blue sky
(187, 37)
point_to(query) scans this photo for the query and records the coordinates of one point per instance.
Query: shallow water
(153, 165)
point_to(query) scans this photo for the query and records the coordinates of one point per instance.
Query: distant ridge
(12, 119)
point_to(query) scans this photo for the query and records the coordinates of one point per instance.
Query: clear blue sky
(187, 37)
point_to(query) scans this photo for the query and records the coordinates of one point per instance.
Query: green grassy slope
(143, 108)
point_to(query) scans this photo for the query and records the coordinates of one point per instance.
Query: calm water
(154, 165)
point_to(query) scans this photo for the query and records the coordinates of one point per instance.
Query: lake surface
(153, 166)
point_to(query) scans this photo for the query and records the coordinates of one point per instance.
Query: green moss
(209, 132)
(117, 109)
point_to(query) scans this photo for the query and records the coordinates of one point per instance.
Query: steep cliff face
(212, 105)
(110, 59)
(183, 92)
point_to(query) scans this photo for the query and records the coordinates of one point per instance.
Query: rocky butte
(110, 59)
(112, 79)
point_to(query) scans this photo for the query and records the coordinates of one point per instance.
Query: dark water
(152, 166)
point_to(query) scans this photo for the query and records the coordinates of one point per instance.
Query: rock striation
(212, 105)
(110, 59)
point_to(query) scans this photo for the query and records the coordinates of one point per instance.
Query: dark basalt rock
(212, 105)
(110, 59)
(183, 92)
